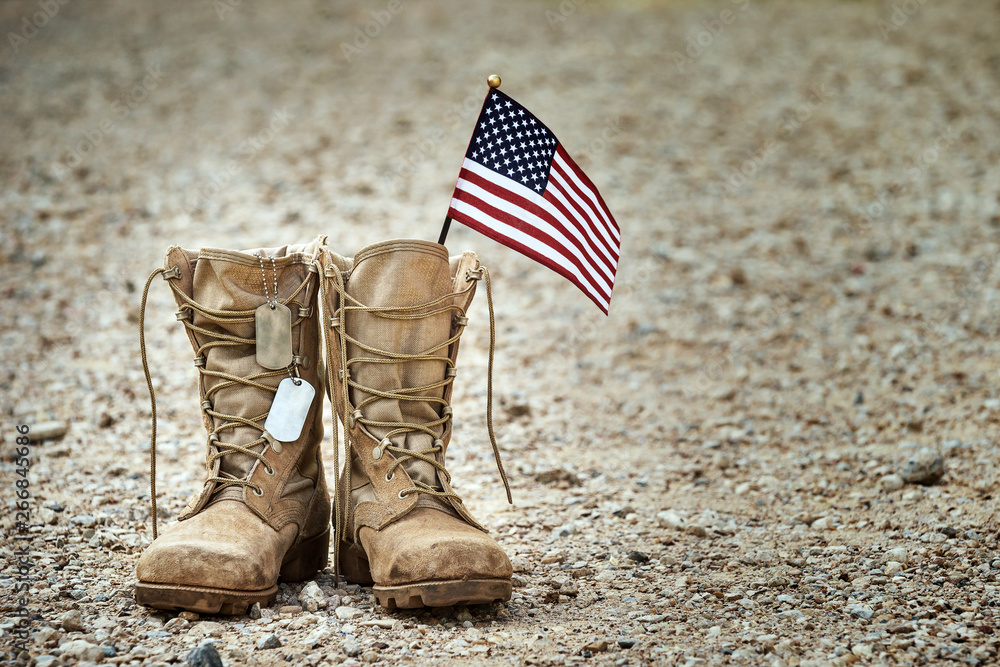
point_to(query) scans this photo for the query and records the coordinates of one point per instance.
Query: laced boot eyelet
(391, 476)
(380, 449)
(269, 470)
(403, 494)
(259, 493)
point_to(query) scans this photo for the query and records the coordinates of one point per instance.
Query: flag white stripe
(560, 179)
(590, 277)
(559, 192)
(565, 168)
(606, 265)
(541, 224)
(526, 240)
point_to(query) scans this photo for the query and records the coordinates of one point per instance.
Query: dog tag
(274, 336)
(289, 409)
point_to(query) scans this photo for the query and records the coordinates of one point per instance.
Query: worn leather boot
(264, 511)
(395, 322)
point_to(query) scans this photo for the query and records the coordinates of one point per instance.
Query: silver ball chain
(274, 272)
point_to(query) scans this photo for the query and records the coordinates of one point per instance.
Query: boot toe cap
(216, 549)
(429, 545)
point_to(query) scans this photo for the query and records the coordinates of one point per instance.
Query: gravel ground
(781, 447)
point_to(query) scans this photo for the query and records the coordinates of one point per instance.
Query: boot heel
(354, 564)
(306, 558)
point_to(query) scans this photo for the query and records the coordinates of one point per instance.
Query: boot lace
(348, 304)
(217, 449)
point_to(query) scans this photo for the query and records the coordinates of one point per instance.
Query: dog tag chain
(273, 322)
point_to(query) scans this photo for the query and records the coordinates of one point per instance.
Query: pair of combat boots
(271, 330)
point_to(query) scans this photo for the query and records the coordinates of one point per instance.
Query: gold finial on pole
(493, 80)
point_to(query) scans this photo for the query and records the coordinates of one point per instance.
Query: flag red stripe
(530, 230)
(483, 227)
(565, 163)
(532, 236)
(556, 192)
(561, 159)
(606, 265)
(593, 225)
(584, 206)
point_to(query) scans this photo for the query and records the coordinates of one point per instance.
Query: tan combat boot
(264, 511)
(395, 322)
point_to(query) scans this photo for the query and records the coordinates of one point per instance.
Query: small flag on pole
(520, 187)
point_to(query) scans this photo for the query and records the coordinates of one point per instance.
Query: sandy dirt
(780, 448)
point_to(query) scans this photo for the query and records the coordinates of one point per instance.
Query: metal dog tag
(289, 409)
(274, 336)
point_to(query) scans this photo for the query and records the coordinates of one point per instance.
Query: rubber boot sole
(443, 593)
(301, 562)
(354, 566)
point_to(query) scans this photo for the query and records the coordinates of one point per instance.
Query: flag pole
(493, 80)
(444, 230)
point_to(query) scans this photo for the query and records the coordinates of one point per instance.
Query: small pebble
(564, 531)
(348, 613)
(892, 482)
(860, 611)
(925, 468)
(81, 650)
(72, 621)
(312, 598)
(52, 430)
(204, 655)
(268, 641)
(670, 519)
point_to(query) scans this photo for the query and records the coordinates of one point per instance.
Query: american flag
(521, 188)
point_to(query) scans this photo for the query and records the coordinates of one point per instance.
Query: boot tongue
(401, 273)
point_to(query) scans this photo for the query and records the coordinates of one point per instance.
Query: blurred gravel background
(781, 447)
